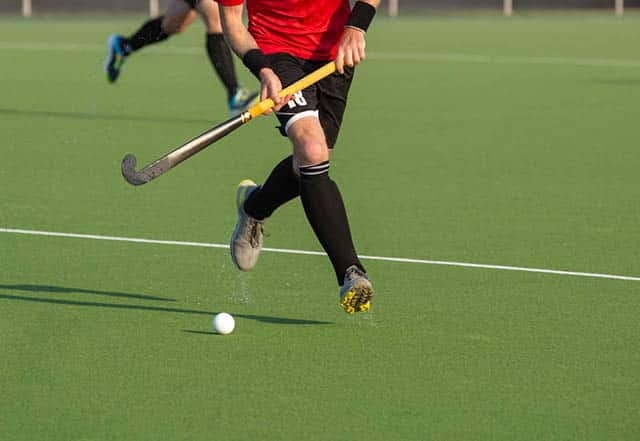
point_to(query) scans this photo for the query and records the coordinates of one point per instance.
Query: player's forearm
(241, 41)
(235, 31)
(351, 49)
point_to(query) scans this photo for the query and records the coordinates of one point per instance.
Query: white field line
(317, 253)
(394, 56)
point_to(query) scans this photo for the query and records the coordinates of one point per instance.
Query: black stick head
(147, 173)
(129, 171)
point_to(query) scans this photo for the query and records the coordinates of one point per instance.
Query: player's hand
(351, 49)
(270, 88)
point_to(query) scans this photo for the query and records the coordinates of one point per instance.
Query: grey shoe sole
(243, 266)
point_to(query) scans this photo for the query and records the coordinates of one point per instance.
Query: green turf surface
(483, 140)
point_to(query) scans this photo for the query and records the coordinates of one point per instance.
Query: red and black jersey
(308, 29)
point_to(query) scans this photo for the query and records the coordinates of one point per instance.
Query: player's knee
(312, 152)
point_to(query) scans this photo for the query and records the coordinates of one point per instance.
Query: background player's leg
(177, 17)
(221, 58)
(150, 32)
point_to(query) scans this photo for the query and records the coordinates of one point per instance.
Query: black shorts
(326, 99)
(192, 3)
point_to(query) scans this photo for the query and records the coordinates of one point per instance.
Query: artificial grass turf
(525, 157)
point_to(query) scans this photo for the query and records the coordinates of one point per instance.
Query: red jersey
(308, 29)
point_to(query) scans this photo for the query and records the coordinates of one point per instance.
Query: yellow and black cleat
(351, 305)
(356, 292)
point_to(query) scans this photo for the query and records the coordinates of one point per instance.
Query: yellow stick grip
(299, 85)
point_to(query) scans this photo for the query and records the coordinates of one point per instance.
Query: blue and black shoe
(115, 57)
(241, 101)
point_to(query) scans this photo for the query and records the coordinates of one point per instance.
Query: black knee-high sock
(281, 186)
(150, 32)
(222, 62)
(327, 215)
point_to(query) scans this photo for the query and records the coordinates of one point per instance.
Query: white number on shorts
(297, 99)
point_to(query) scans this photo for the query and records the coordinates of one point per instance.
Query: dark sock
(281, 186)
(222, 62)
(328, 217)
(150, 32)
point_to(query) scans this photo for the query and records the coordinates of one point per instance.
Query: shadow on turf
(65, 290)
(260, 318)
(199, 332)
(97, 116)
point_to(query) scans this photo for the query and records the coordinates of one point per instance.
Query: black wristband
(361, 16)
(255, 60)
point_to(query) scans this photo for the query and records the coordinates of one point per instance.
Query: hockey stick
(200, 142)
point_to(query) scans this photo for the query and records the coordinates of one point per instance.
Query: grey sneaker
(356, 291)
(246, 241)
(241, 101)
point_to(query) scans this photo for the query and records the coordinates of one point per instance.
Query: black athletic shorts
(192, 3)
(326, 99)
